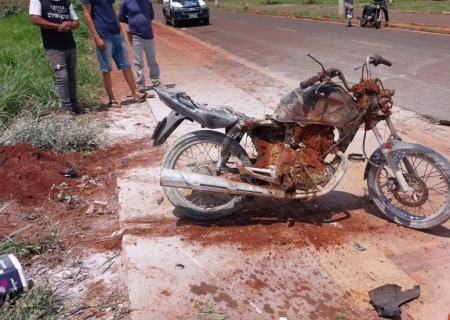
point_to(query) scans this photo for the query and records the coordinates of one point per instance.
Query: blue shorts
(115, 49)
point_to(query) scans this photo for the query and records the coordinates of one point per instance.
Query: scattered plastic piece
(358, 247)
(387, 299)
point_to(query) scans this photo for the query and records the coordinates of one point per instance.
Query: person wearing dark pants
(57, 19)
(385, 11)
(348, 12)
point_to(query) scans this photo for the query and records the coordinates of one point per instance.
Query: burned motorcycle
(298, 152)
(371, 14)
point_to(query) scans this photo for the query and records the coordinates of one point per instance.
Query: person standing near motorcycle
(138, 14)
(349, 12)
(385, 11)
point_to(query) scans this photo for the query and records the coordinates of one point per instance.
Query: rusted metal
(332, 105)
(298, 164)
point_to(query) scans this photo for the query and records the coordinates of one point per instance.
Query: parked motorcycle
(371, 14)
(298, 152)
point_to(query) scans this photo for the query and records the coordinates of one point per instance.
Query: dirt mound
(28, 174)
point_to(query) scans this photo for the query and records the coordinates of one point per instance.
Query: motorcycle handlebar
(305, 84)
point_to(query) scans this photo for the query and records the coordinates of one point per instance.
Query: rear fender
(166, 126)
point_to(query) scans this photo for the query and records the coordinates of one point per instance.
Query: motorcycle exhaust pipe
(196, 181)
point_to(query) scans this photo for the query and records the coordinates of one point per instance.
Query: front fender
(397, 152)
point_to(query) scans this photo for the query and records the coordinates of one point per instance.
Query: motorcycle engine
(296, 153)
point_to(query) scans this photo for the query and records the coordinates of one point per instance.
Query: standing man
(349, 12)
(57, 19)
(138, 14)
(385, 11)
(103, 22)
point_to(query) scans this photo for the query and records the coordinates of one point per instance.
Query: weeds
(26, 79)
(61, 136)
(46, 241)
(11, 8)
(210, 313)
(11, 244)
(341, 316)
(40, 302)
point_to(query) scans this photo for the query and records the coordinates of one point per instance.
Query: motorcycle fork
(392, 164)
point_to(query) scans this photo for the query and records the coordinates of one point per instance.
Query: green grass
(40, 302)
(401, 5)
(27, 82)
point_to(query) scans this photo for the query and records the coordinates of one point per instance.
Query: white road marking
(287, 29)
(372, 44)
(241, 21)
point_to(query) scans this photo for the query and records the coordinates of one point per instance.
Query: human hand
(100, 43)
(64, 27)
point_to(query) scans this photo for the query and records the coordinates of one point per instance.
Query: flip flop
(114, 104)
(142, 99)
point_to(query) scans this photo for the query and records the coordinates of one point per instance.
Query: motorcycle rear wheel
(362, 23)
(377, 21)
(429, 206)
(199, 152)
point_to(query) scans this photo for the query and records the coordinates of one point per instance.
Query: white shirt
(36, 9)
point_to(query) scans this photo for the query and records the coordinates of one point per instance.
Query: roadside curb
(392, 24)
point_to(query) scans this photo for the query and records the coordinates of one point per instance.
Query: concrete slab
(172, 276)
(170, 279)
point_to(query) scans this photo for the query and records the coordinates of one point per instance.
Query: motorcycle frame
(393, 151)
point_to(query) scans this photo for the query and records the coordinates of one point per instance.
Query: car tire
(165, 18)
(175, 23)
(206, 21)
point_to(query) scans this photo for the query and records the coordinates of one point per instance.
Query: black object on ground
(387, 299)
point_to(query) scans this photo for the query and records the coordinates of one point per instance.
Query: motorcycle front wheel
(199, 152)
(377, 21)
(428, 176)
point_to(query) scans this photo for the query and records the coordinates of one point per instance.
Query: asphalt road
(279, 46)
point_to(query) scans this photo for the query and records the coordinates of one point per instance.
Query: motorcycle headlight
(378, 6)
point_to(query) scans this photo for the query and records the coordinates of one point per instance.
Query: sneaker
(65, 113)
(349, 25)
(386, 24)
(142, 89)
(156, 83)
(78, 109)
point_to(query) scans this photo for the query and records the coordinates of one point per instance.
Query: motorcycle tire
(377, 21)
(198, 152)
(362, 23)
(428, 173)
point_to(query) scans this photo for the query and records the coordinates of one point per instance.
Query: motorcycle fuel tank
(331, 105)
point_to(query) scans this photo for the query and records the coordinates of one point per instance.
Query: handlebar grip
(386, 62)
(305, 84)
(379, 59)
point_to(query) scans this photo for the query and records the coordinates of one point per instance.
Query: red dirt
(32, 179)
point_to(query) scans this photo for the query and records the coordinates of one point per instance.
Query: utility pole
(341, 8)
(216, 2)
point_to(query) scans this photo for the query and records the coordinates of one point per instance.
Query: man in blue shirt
(103, 22)
(138, 14)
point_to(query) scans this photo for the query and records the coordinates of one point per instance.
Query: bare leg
(108, 85)
(129, 78)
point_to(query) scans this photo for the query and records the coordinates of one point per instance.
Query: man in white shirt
(57, 19)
